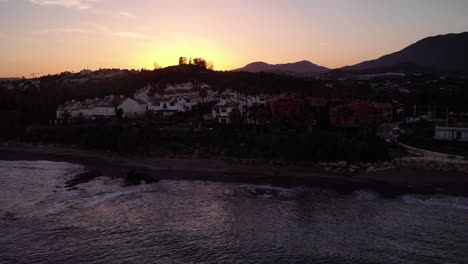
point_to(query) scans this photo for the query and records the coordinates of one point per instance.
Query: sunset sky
(52, 36)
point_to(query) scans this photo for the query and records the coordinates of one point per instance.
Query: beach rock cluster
(345, 168)
(82, 178)
(138, 177)
(432, 164)
(259, 191)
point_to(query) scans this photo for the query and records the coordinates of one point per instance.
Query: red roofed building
(356, 114)
(284, 105)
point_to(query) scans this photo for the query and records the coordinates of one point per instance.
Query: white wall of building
(132, 108)
(451, 133)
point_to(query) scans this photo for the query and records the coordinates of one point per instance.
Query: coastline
(388, 183)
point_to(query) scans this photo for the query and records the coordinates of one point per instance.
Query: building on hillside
(132, 108)
(221, 112)
(103, 109)
(198, 93)
(356, 114)
(284, 105)
(256, 100)
(451, 133)
(64, 111)
(170, 105)
(84, 109)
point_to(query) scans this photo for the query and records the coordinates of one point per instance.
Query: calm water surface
(204, 222)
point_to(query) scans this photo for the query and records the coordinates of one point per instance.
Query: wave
(364, 195)
(436, 200)
(110, 196)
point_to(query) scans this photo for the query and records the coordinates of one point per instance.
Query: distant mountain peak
(301, 68)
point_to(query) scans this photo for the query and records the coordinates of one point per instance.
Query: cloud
(63, 30)
(126, 14)
(128, 34)
(3, 1)
(79, 4)
(105, 30)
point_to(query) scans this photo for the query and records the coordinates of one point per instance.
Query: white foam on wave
(105, 197)
(436, 200)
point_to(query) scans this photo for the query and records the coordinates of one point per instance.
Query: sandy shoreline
(388, 183)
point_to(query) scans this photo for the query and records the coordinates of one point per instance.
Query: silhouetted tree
(210, 65)
(183, 61)
(119, 113)
(236, 117)
(200, 62)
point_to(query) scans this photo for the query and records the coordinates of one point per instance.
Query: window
(338, 121)
(223, 110)
(356, 121)
(458, 135)
(171, 104)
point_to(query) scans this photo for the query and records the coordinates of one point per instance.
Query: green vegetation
(130, 138)
(25, 115)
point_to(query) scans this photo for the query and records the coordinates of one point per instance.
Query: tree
(236, 117)
(119, 113)
(183, 61)
(200, 62)
(210, 65)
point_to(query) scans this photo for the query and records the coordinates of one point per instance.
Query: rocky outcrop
(259, 191)
(138, 177)
(431, 164)
(345, 168)
(82, 178)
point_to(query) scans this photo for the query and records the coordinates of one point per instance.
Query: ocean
(102, 221)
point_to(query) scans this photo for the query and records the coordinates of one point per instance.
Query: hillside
(440, 53)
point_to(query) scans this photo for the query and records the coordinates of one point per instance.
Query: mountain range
(443, 53)
(300, 68)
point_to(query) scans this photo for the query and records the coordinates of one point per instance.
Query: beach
(391, 182)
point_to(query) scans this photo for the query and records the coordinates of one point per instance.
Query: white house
(222, 110)
(132, 108)
(258, 100)
(103, 109)
(170, 105)
(106, 107)
(451, 133)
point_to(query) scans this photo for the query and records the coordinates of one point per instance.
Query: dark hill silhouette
(300, 68)
(440, 53)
